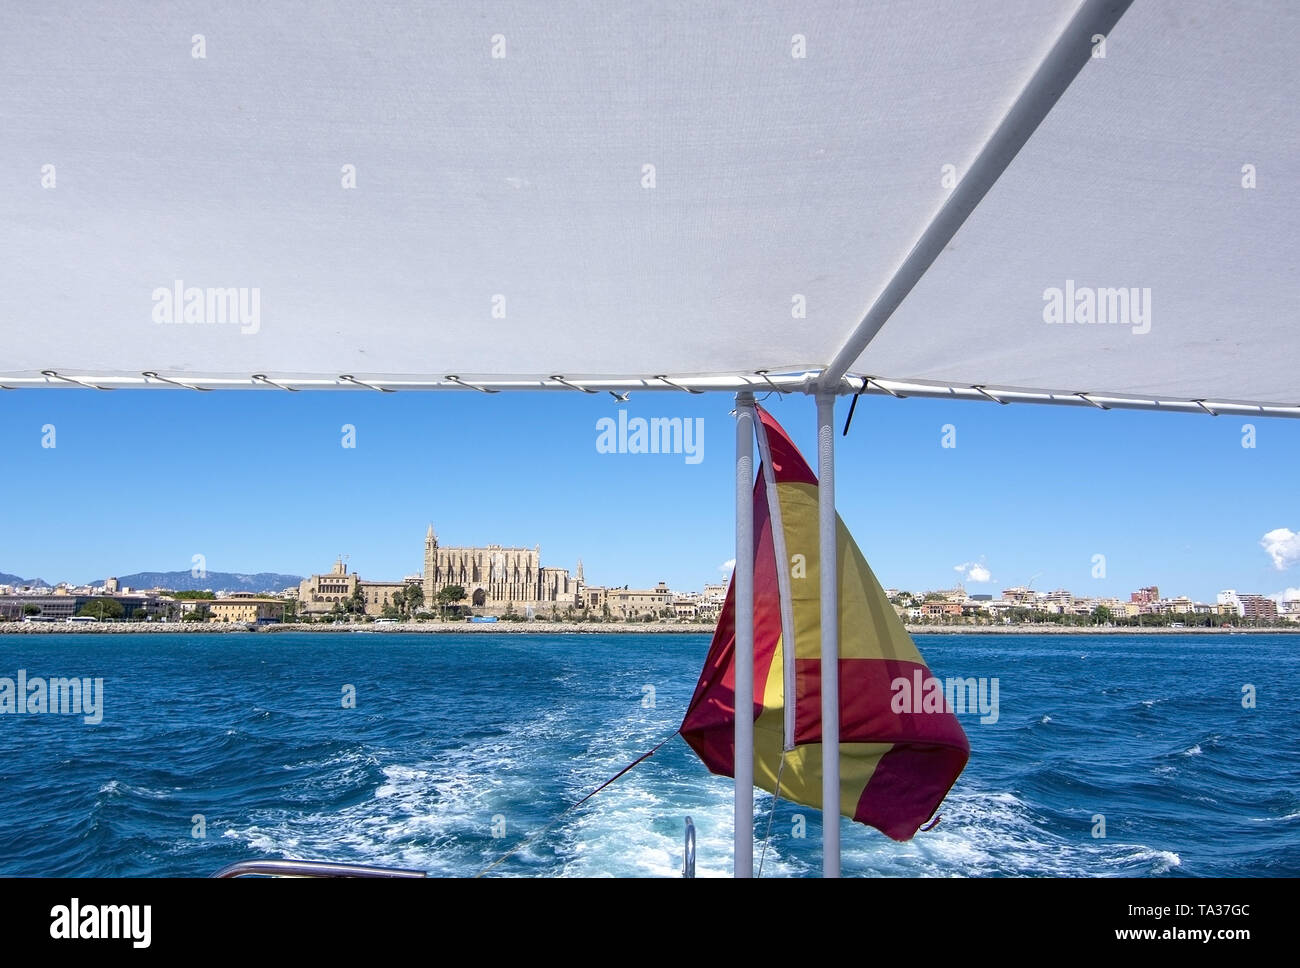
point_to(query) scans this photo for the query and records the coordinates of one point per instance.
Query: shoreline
(421, 628)
(1049, 628)
(578, 628)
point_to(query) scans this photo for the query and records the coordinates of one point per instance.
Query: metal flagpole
(828, 574)
(743, 864)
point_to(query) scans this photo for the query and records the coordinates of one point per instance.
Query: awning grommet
(676, 386)
(981, 390)
(573, 386)
(348, 378)
(263, 378)
(151, 375)
(1087, 399)
(470, 386)
(67, 379)
(768, 381)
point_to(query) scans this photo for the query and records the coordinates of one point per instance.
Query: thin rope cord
(573, 806)
(776, 798)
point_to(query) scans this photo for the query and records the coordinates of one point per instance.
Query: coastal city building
(380, 595)
(638, 603)
(1249, 606)
(592, 598)
(940, 609)
(337, 590)
(60, 605)
(1258, 606)
(1228, 601)
(318, 594)
(496, 578)
(686, 607)
(246, 607)
(511, 582)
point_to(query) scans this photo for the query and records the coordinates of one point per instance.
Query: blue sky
(259, 481)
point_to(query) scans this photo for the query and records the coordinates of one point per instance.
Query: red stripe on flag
(907, 787)
(870, 692)
(709, 724)
(787, 463)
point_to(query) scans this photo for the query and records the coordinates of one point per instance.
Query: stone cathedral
(495, 577)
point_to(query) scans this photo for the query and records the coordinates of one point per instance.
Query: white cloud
(1286, 595)
(1283, 546)
(728, 566)
(975, 571)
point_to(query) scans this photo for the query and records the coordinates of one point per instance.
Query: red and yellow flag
(898, 759)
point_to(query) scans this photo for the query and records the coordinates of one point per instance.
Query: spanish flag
(899, 753)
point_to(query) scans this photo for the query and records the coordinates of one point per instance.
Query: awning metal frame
(804, 381)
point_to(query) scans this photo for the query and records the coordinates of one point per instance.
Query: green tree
(102, 608)
(414, 597)
(30, 609)
(449, 596)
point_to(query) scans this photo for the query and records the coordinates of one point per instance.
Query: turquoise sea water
(456, 737)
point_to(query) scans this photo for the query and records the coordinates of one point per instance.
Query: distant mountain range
(183, 581)
(8, 579)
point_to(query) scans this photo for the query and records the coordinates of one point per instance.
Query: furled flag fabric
(901, 747)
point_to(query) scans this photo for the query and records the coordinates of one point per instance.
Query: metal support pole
(1068, 56)
(828, 572)
(743, 865)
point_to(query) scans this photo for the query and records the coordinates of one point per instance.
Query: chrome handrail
(688, 852)
(310, 868)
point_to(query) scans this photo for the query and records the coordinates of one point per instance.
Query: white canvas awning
(503, 228)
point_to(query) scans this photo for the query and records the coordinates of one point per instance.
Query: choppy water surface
(456, 736)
